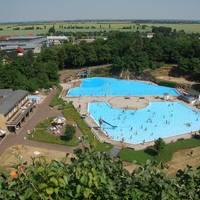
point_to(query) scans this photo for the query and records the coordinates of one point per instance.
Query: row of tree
(28, 73)
(96, 176)
(135, 52)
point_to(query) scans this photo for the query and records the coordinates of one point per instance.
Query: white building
(150, 35)
(56, 40)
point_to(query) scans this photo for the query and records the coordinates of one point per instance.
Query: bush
(92, 175)
(152, 151)
(166, 83)
(159, 145)
(69, 132)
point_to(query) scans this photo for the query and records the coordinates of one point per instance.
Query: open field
(188, 28)
(182, 158)
(14, 154)
(163, 73)
(43, 27)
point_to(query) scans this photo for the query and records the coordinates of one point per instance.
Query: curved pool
(158, 119)
(114, 87)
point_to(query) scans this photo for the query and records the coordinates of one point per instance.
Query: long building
(15, 107)
(33, 43)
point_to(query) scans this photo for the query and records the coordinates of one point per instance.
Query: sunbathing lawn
(71, 114)
(42, 134)
(166, 154)
(55, 101)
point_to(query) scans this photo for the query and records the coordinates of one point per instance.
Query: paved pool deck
(127, 102)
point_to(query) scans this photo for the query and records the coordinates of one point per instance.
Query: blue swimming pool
(158, 119)
(115, 87)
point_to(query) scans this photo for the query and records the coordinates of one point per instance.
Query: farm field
(43, 27)
(188, 28)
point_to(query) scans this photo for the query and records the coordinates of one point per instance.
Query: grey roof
(10, 99)
(32, 43)
(24, 37)
(5, 92)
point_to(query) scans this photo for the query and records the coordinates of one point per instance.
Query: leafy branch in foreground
(92, 175)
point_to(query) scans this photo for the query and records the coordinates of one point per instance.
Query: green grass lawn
(55, 101)
(131, 155)
(71, 114)
(42, 134)
(165, 155)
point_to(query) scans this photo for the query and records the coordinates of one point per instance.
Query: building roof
(57, 38)
(19, 50)
(23, 42)
(5, 92)
(9, 99)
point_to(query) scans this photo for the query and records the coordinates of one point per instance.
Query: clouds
(29, 10)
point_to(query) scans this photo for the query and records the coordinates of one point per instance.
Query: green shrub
(69, 132)
(159, 145)
(91, 176)
(166, 83)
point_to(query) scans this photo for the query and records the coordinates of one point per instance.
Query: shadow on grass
(151, 151)
(65, 138)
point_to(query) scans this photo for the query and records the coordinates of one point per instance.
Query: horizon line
(88, 20)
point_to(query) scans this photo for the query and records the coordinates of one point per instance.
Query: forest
(28, 73)
(135, 52)
(126, 51)
(92, 175)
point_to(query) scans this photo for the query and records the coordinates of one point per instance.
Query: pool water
(34, 98)
(115, 87)
(158, 119)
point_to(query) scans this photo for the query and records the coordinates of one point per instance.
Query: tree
(52, 30)
(162, 30)
(69, 132)
(159, 145)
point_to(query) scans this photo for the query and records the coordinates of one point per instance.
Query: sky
(36, 10)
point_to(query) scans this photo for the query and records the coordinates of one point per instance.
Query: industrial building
(13, 43)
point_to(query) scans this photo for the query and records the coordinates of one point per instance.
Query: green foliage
(52, 30)
(69, 132)
(96, 176)
(56, 100)
(191, 66)
(166, 83)
(134, 52)
(159, 145)
(28, 73)
(162, 30)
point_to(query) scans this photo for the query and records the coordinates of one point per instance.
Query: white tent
(59, 120)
